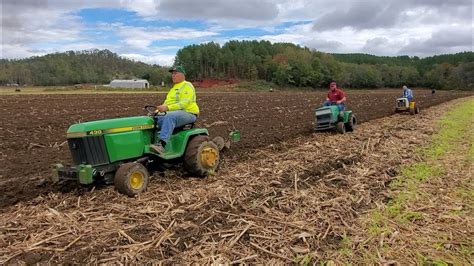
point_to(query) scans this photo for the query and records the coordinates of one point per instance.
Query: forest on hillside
(288, 64)
(284, 64)
(68, 68)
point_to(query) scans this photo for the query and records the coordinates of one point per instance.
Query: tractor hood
(326, 109)
(116, 125)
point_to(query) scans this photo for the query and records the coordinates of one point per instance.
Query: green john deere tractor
(329, 118)
(118, 151)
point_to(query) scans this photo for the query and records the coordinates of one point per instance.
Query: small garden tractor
(405, 105)
(118, 151)
(329, 118)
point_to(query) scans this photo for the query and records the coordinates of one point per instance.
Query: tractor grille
(88, 150)
(325, 117)
(402, 103)
(324, 121)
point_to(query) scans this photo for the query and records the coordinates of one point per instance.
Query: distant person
(335, 96)
(407, 93)
(180, 107)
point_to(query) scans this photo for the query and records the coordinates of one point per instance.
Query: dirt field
(257, 208)
(33, 126)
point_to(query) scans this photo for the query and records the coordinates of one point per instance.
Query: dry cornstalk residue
(283, 202)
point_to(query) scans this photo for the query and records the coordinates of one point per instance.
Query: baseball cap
(178, 69)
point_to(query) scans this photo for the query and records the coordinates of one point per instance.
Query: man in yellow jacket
(180, 107)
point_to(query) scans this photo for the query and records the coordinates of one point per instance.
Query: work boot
(157, 148)
(341, 115)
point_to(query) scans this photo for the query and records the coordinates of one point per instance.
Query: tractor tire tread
(341, 127)
(191, 159)
(121, 178)
(351, 123)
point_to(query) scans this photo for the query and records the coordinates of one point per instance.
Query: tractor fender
(178, 142)
(346, 116)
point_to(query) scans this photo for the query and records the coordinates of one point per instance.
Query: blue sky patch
(107, 15)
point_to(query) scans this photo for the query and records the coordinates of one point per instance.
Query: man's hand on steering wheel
(152, 110)
(162, 108)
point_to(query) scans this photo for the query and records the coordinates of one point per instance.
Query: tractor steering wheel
(150, 109)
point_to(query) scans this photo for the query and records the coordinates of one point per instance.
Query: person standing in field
(180, 108)
(336, 96)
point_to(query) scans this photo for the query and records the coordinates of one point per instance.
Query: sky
(152, 31)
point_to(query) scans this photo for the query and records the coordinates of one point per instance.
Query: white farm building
(129, 83)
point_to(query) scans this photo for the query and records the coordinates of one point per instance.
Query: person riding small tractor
(403, 104)
(329, 117)
(406, 103)
(118, 151)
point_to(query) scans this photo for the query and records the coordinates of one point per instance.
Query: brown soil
(265, 205)
(33, 126)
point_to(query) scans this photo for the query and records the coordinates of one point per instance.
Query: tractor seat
(185, 127)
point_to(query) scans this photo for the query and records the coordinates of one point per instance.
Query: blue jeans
(339, 105)
(167, 123)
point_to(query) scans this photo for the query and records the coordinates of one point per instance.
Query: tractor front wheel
(341, 127)
(131, 179)
(201, 156)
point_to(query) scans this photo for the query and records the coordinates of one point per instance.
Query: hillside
(288, 64)
(284, 64)
(89, 66)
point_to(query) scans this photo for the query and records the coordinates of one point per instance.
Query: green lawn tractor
(329, 118)
(405, 105)
(118, 151)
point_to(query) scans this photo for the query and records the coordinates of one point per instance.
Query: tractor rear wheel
(201, 156)
(131, 179)
(341, 127)
(351, 123)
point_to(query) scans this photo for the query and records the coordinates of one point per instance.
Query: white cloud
(145, 8)
(415, 27)
(139, 37)
(162, 60)
(377, 46)
(256, 10)
(18, 51)
(445, 40)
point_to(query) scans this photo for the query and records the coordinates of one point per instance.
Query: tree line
(288, 64)
(69, 68)
(284, 64)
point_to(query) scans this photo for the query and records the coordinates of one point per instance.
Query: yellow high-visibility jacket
(182, 97)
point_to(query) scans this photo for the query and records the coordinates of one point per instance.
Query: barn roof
(130, 80)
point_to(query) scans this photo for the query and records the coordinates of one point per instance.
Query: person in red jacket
(335, 96)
